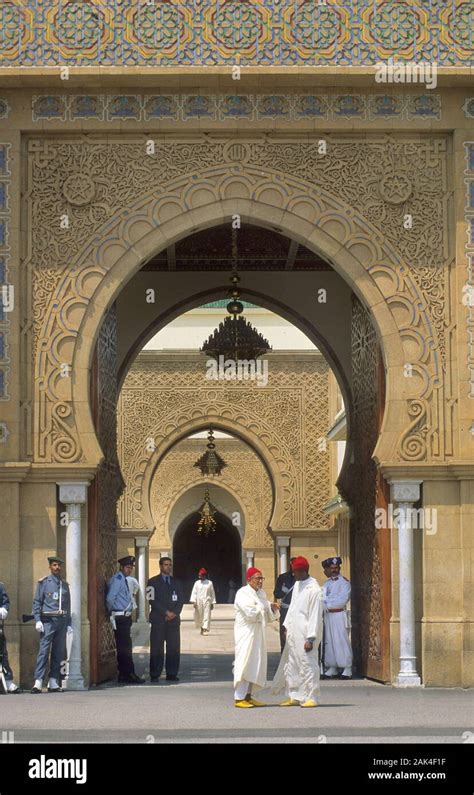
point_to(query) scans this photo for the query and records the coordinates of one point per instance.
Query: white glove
(113, 622)
(3, 612)
(69, 630)
(39, 626)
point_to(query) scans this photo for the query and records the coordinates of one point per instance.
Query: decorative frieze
(228, 107)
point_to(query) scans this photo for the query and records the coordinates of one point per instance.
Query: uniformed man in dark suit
(4, 663)
(165, 595)
(284, 591)
(52, 613)
(120, 607)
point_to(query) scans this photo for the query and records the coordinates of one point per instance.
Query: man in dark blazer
(165, 595)
(284, 591)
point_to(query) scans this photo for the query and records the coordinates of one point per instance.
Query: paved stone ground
(200, 708)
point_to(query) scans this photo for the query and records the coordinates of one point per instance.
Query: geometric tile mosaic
(223, 107)
(468, 107)
(213, 32)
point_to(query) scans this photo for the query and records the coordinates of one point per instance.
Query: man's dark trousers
(123, 642)
(165, 632)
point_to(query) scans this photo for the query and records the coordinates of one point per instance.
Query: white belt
(120, 613)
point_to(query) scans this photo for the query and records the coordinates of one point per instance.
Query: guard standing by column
(5, 667)
(52, 613)
(120, 606)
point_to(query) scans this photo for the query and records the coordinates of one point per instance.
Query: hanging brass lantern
(211, 463)
(207, 524)
(235, 338)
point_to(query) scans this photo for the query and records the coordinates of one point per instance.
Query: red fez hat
(251, 572)
(202, 571)
(299, 563)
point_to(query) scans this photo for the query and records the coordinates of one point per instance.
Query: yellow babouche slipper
(243, 704)
(290, 702)
(255, 702)
(309, 703)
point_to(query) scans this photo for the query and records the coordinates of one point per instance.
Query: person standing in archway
(203, 599)
(120, 606)
(284, 590)
(165, 595)
(337, 648)
(298, 672)
(253, 612)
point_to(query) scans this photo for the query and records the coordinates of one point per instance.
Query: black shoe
(14, 692)
(154, 678)
(131, 679)
(345, 677)
(55, 690)
(172, 678)
(35, 690)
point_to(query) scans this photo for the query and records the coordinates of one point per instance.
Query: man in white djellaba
(298, 672)
(203, 598)
(337, 646)
(253, 612)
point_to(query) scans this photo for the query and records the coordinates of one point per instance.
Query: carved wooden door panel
(103, 495)
(370, 547)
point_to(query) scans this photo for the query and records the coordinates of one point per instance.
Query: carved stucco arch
(240, 500)
(321, 221)
(275, 461)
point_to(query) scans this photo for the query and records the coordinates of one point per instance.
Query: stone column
(141, 543)
(283, 545)
(73, 495)
(404, 494)
(249, 555)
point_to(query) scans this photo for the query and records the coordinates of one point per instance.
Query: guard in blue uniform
(120, 606)
(52, 612)
(4, 663)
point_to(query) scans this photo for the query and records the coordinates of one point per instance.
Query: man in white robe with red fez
(298, 672)
(253, 612)
(203, 598)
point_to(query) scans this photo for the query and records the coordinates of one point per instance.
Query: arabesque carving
(338, 193)
(290, 416)
(245, 475)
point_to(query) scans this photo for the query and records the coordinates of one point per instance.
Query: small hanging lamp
(210, 463)
(207, 524)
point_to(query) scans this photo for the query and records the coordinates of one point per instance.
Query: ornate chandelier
(207, 524)
(210, 463)
(235, 338)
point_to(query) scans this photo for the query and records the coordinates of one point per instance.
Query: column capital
(405, 490)
(73, 492)
(141, 541)
(283, 541)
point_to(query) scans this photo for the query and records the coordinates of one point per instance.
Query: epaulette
(345, 578)
(42, 579)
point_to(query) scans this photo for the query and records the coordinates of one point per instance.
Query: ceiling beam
(292, 252)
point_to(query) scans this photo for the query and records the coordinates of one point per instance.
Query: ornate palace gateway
(134, 137)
